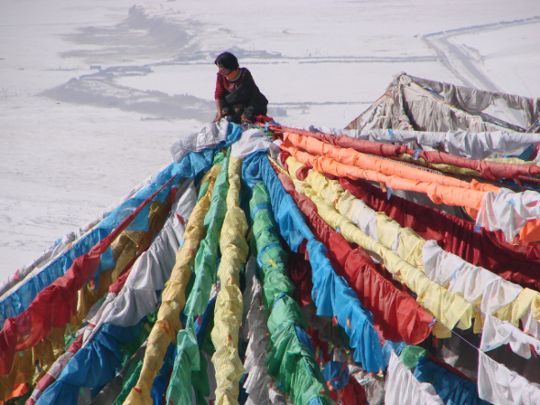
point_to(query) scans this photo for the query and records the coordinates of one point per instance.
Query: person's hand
(218, 116)
(245, 119)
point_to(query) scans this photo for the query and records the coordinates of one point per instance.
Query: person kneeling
(237, 96)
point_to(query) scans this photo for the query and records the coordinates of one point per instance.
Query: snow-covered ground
(93, 93)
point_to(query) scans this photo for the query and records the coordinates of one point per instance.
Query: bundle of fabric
(413, 103)
(273, 265)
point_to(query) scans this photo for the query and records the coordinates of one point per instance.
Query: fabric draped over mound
(481, 288)
(188, 357)
(455, 235)
(259, 386)
(447, 307)
(372, 163)
(28, 291)
(120, 323)
(20, 288)
(57, 367)
(451, 195)
(484, 168)
(13, 302)
(29, 329)
(487, 292)
(290, 359)
(338, 277)
(173, 298)
(191, 165)
(497, 208)
(395, 313)
(160, 382)
(331, 295)
(412, 103)
(229, 306)
(462, 143)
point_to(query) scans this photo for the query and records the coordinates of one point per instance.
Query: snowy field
(93, 93)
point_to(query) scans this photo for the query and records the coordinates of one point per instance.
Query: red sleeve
(219, 87)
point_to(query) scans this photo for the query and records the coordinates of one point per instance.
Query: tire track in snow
(458, 60)
(100, 89)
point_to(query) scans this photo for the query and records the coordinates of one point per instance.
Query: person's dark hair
(227, 60)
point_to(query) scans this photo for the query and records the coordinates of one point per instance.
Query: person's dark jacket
(242, 91)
